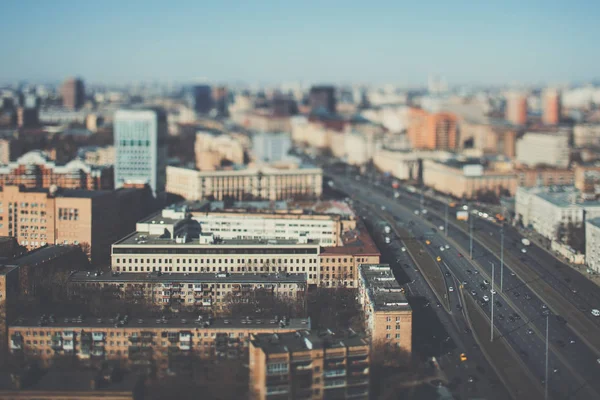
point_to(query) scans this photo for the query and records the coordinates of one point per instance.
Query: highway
(572, 360)
(435, 332)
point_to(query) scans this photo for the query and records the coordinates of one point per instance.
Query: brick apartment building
(37, 217)
(309, 365)
(35, 169)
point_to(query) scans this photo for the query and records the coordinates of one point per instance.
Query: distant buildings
(516, 108)
(592, 244)
(551, 107)
(494, 137)
(73, 93)
(545, 176)
(98, 156)
(544, 148)
(141, 148)
(388, 316)
(271, 147)
(586, 135)
(62, 216)
(201, 98)
(322, 97)
(309, 364)
(212, 150)
(550, 210)
(260, 183)
(432, 131)
(468, 178)
(35, 170)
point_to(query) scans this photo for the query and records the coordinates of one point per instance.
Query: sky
(378, 41)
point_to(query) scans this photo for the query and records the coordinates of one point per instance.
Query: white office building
(548, 148)
(271, 147)
(592, 244)
(141, 150)
(546, 208)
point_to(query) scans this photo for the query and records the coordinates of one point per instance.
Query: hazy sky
(477, 41)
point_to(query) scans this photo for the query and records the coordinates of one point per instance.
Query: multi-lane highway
(572, 364)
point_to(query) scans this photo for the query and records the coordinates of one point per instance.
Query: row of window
(219, 260)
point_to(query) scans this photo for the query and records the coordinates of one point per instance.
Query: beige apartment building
(266, 122)
(205, 291)
(37, 217)
(495, 137)
(388, 316)
(467, 178)
(586, 135)
(309, 365)
(140, 342)
(212, 149)
(530, 177)
(256, 183)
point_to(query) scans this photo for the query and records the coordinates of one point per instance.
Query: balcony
(68, 345)
(358, 381)
(277, 380)
(98, 336)
(303, 393)
(334, 373)
(335, 383)
(98, 351)
(68, 335)
(135, 339)
(277, 390)
(335, 356)
(56, 345)
(303, 366)
(358, 393)
(296, 358)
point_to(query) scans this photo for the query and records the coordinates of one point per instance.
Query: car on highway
(511, 318)
(416, 212)
(447, 247)
(427, 242)
(460, 255)
(442, 248)
(450, 289)
(486, 282)
(523, 250)
(448, 274)
(527, 296)
(512, 273)
(474, 293)
(530, 331)
(486, 298)
(463, 356)
(439, 258)
(471, 379)
(403, 249)
(482, 287)
(469, 271)
(595, 312)
(517, 316)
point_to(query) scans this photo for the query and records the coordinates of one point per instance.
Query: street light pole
(471, 235)
(492, 319)
(446, 227)
(546, 380)
(501, 257)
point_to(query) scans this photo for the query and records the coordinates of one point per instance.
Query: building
(71, 384)
(544, 148)
(93, 219)
(140, 341)
(201, 99)
(587, 177)
(9, 292)
(265, 121)
(213, 292)
(73, 93)
(586, 135)
(551, 107)
(494, 137)
(322, 97)
(516, 108)
(93, 122)
(35, 170)
(592, 244)
(309, 364)
(468, 178)
(545, 176)
(141, 148)
(339, 265)
(271, 147)
(4, 151)
(550, 210)
(221, 98)
(212, 150)
(62, 116)
(28, 117)
(97, 156)
(432, 130)
(388, 316)
(252, 183)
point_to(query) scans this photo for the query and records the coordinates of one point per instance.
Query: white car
(450, 289)
(523, 250)
(382, 208)
(492, 291)
(441, 227)
(595, 312)
(447, 247)
(424, 211)
(403, 249)
(441, 248)
(416, 212)
(485, 298)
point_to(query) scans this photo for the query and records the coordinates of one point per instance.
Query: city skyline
(333, 42)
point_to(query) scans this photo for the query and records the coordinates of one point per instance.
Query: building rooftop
(183, 322)
(155, 277)
(594, 221)
(6, 269)
(356, 241)
(382, 288)
(305, 340)
(562, 196)
(43, 254)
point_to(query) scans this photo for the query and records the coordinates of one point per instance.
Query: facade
(592, 244)
(586, 135)
(551, 112)
(140, 341)
(201, 98)
(490, 137)
(141, 148)
(467, 178)
(96, 218)
(309, 365)
(322, 97)
(547, 210)
(73, 93)
(9, 290)
(28, 117)
(530, 177)
(264, 183)
(432, 130)
(587, 177)
(4, 151)
(97, 156)
(211, 150)
(35, 170)
(388, 316)
(271, 147)
(516, 108)
(207, 291)
(269, 122)
(544, 148)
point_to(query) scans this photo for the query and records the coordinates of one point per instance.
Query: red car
(459, 254)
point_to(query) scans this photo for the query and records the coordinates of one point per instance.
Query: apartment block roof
(382, 288)
(179, 277)
(306, 340)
